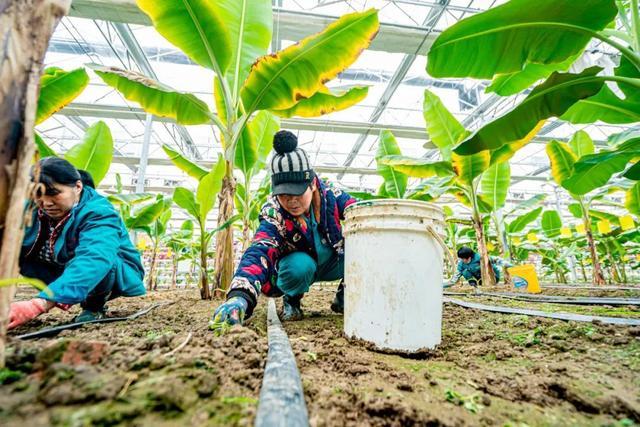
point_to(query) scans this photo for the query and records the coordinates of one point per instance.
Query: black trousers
(103, 292)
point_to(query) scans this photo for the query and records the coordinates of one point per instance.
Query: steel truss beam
(292, 25)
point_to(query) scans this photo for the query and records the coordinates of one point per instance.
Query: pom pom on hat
(284, 142)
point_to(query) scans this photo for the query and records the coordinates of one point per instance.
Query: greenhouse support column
(571, 259)
(26, 27)
(144, 156)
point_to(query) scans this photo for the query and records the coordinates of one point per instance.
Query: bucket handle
(442, 244)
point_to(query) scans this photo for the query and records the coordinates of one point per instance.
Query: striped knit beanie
(291, 172)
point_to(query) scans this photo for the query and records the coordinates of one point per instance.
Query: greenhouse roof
(343, 144)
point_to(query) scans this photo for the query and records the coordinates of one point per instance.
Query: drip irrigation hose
(594, 288)
(49, 332)
(281, 396)
(538, 313)
(556, 299)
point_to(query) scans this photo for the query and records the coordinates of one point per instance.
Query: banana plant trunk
(27, 26)
(598, 276)
(224, 238)
(246, 234)
(503, 246)
(152, 280)
(584, 271)
(488, 277)
(205, 292)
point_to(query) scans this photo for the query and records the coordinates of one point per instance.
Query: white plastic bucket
(393, 274)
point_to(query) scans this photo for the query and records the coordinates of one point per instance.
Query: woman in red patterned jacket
(299, 240)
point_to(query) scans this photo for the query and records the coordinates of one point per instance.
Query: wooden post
(25, 29)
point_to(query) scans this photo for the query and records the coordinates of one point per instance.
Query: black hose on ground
(281, 396)
(49, 332)
(555, 299)
(538, 313)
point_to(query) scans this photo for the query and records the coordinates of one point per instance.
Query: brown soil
(490, 369)
(118, 374)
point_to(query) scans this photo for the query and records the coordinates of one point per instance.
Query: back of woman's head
(86, 178)
(54, 170)
(465, 252)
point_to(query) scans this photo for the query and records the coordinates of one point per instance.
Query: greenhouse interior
(320, 212)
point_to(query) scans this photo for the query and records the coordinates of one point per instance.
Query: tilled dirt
(125, 374)
(490, 369)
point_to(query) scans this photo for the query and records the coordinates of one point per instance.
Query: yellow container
(527, 272)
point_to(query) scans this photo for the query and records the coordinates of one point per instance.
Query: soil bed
(491, 369)
(117, 373)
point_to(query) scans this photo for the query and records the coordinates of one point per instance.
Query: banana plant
(152, 219)
(231, 38)
(505, 43)
(93, 154)
(563, 158)
(465, 171)
(198, 206)
(179, 242)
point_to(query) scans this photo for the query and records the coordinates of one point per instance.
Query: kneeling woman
(78, 245)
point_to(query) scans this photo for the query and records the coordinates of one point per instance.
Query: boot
(337, 305)
(88, 316)
(291, 307)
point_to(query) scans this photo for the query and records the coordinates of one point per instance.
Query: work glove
(228, 314)
(23, 311)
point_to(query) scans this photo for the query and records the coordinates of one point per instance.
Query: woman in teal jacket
(78, 245)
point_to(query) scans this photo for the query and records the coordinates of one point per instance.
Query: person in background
(469, 267)
(299, 240)
(77, 245)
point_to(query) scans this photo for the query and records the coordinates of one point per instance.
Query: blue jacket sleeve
(95, 256)
(343, 200)
(257, 266)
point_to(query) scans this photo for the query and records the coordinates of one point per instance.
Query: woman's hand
(23, 311)
(228, 314)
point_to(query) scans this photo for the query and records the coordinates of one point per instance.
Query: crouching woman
(78, 245)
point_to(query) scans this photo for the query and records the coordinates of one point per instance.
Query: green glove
(230, 313)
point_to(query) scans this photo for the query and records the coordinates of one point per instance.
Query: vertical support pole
(144, 156)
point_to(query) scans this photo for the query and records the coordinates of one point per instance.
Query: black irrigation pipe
(281, 396)
(538, 313)
(593, 288)
(49, 332)
(553, 299)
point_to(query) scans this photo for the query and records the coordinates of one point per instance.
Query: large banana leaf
(632, 200)
(518, 224)
(495, 184)
(595, 170)
(507, 151)
(154, 97)
(551, 224)
(633, 172)
(129, 198)
(467, 168)
(416, 167)
(581, 144)
(604, 106)
(326, 101)
(280, 80)
(627, 69)
(395, 183)
(263, 127)
(443, 128)
(43, 149)
(512, 83)
(562, 160)
(245, 153)
(94, 153)
(209, 187)
(195, 27)
(505, 38)
(190, 168)
(550, 99)
(57, 89)
(248, 24)
(187, 201)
